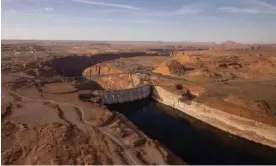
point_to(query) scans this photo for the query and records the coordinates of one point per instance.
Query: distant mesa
(229, 45)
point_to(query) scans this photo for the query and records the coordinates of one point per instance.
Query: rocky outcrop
(236, 125)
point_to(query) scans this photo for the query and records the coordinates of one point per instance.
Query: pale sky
(246, 21)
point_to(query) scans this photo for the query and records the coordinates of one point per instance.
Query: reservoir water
(192, 140)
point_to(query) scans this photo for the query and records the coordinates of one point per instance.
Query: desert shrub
(176, 68)
(179, 87)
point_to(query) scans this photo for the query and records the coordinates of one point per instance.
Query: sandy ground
(236, 83)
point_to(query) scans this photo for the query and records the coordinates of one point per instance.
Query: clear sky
(247, 21)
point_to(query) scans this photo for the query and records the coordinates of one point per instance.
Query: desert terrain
(45, 120)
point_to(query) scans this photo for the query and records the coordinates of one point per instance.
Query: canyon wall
(243, 127)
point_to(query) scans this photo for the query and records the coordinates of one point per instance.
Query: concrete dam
(123, 96)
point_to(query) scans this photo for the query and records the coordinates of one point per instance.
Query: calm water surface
(192, 140)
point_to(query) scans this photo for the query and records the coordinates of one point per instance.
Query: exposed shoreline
(243, 127)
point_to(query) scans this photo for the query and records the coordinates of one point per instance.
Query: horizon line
(156, 41)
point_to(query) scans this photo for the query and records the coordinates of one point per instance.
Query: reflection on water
(192, 140)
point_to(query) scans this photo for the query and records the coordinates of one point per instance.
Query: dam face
(192, 140)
